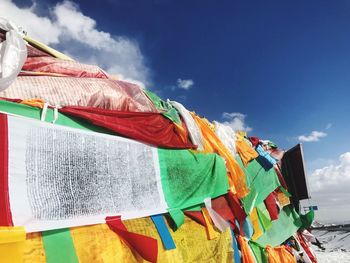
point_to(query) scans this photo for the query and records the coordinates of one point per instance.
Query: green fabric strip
(260, 182)
(259, 252)
(307, 219)
(35, 113)
(284, 227)
(166, 108)
(264, 217)
(59, 246)
(188, 178)
(178, 217)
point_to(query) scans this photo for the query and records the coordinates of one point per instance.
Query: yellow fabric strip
(245, 151)
(212, 234)
(12, 242)
(34, 249)
(255, 222)
(282, 198)
(47, 49)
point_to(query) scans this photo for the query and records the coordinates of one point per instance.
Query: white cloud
(314, 136)
(333, 175)
(329, 187)
(236, 121)
(68, 29)
(328, 126)
(185, 83)
(41, 28)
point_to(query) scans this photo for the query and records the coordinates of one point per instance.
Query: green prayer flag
(307, 219)
(178, 217)
(59, 246)
(260, 182)
(264, 217)
(284, 227)
(166, 108)
(259, 252)
(188, 178)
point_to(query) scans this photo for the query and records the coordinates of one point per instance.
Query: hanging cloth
(245, 151)
(150, 128)
(212, 143)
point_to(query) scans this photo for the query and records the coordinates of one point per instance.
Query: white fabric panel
(193, 129)
(227, 136)
(13, 53)
(62, 177)
(219, 222)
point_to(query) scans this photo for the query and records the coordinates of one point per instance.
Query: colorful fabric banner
(62, 177)
(212, 144)
(93, 92)
(147, 127)
(187, 177)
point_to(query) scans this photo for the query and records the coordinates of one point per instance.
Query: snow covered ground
(337, 244)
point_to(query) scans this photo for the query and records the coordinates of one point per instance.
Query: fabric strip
(163, 231)
(236, 253)
(59, 247)
(178, 217)
(147, 127)
(12, 243)
(146, 247)
(211, 233)
(219, 222)
(5, 212)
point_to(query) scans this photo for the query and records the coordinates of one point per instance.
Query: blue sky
(283, 64)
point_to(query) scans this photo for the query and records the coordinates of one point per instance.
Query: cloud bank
(329, 187)
(76, 34)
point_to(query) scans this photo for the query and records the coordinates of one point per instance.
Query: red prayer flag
(146, 247)
(148, 127)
